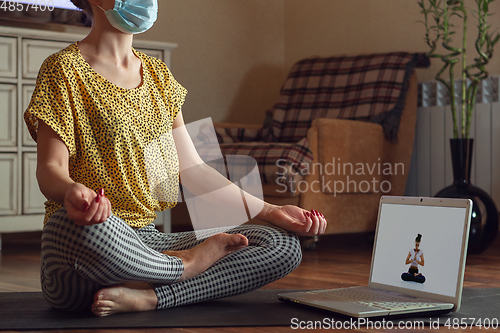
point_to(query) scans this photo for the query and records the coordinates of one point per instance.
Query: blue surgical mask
(133, 16)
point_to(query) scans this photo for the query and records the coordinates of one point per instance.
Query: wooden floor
(337, 262)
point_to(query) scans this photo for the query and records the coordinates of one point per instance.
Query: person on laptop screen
(415, 257)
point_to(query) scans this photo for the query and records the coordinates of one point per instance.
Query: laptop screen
(419, 247)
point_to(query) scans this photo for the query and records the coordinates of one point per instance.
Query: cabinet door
(35, 52)
(27, 92)
(8, 184)
(8, 57)
(33, 199)
(8, 107)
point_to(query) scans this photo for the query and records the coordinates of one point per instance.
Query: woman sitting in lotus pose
(97, 105)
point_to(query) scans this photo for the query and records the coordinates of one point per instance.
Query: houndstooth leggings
(77, 261)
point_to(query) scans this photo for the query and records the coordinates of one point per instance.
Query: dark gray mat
(29, 311)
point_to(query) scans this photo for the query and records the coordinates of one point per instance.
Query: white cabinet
(8, 184)
(33, 199)
(8, 65)
(22, 51)
(8, 108)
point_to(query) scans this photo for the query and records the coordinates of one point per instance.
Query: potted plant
(439, 16)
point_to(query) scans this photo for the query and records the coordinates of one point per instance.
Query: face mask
(132, 16)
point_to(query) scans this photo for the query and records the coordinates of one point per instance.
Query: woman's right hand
(84, 206)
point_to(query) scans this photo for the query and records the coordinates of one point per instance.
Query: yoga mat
(29, 311)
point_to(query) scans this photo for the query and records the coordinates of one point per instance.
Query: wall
(234, 55)
(230, 55)
(350, 27)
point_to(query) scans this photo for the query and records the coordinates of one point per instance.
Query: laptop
(418, 262)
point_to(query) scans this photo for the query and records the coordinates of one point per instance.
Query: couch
(340, 136)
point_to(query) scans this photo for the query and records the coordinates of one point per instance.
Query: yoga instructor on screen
(97, 105)
(415, 258)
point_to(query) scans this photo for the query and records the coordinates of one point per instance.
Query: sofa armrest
(350, 156)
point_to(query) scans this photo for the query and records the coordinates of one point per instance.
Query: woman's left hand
(297, 220)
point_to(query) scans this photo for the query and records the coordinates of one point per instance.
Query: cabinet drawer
(8, 111)
(8, 184)
(8, 57)
(35, 52)
(33, 199)
(27, 92)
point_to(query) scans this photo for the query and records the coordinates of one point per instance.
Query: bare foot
(204, 255)
(135, 297)
(124, 298)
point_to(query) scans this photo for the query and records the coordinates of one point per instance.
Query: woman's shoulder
(61, 60)
(153, 64)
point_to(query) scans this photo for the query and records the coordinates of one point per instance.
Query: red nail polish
(308, 215)
(97, 198)
(315, 212)
(101, 192)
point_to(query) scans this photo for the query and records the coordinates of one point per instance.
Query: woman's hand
(85, 207)
(297, 220)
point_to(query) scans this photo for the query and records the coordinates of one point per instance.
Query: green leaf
(485, 6)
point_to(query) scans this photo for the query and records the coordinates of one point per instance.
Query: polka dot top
(118, 139)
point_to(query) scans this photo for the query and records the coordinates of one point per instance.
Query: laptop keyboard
(374, 298)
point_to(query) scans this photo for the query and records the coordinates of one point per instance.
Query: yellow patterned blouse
(118, 139)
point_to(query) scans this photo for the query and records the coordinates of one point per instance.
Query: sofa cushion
(279, 163)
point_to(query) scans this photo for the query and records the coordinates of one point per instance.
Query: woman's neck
(106, 41)
(109, 43)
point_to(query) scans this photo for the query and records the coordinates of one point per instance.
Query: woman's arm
(421, 261)
(83, 205)
(199, 179)
(408, 259)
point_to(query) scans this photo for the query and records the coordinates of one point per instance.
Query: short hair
(85, 6)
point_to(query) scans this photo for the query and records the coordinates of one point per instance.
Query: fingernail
(100, 194)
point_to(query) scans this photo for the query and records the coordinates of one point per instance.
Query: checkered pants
(77, 261)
